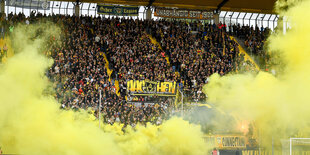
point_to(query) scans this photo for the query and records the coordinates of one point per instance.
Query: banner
(118, 10)
(179, 13)
(230, 141)
(30, 4)
(226, 142)
(139, 104)
(143, 87)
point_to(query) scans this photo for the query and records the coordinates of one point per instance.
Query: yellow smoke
(279, 105)
(32, 123)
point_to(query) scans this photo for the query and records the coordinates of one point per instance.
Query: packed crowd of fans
(130, 114)
(79, 72)
(132, 54)
(195, 51)
(254, 41)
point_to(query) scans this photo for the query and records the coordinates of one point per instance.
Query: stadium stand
(100, 53)
(253, 40)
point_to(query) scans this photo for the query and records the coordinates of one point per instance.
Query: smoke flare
(32, 123)
(279, 105)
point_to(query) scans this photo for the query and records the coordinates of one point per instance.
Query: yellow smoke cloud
(32, 123)
(280, 106)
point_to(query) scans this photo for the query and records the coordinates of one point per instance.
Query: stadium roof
(254, 6)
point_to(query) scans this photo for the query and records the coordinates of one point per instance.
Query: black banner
(118, 10)
(183, 13)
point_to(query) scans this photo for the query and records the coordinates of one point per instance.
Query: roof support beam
(269, 19)
(243, 19)
(237, 18)
(150, 3)
(256, 21)
(221, 4)
(263, 19)
(250, 19)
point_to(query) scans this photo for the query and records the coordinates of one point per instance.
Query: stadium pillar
(282, 24)
(2, 6)
(284, 20)
(77, 9)
(216, 18)
(148, 13)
